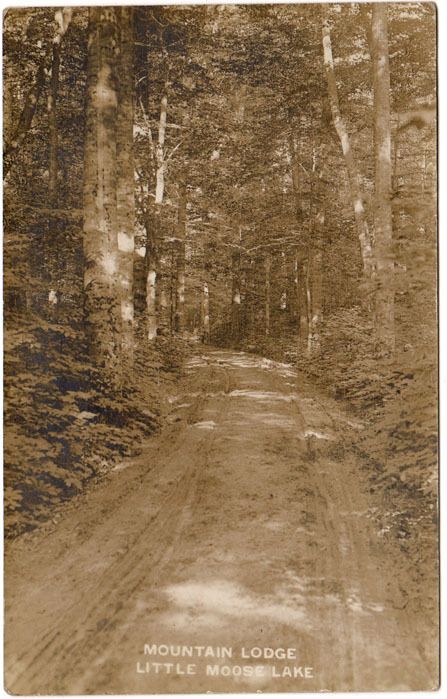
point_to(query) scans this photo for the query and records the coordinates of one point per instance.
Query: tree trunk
(291, 293)
(53, 224)
(236, 310)
(52, 120)
(63, 19)
(303, 302)
(206, 314)
(151, 299)
(308, 292)
(55, 227)
(315, 311)
(8, 101)
(351, 167)
(251, 296)
(180, 260)
(197, 319)
(162, 300)
(100, 214)
(125, 184)
(301, 261)
(154, 277)
(268, 267)
(383, 226)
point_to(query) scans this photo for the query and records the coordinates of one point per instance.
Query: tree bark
(8, 101)
(53, 225)
(206, 314)
(268, 267)
(303, 292)
(162, 298)
(154, 275)
(308, 292)
(180, 260)
(315, 309)
(236, 310)
(303, 301)
(100, 204)
(291, 293)
(383, 225)
(125, 184)
(351, 167)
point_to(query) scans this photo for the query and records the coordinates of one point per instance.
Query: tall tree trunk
(62, 18)
(302, 260)
(236, 309)
(315, 310)
(52, 121)
(206, 314)
(351, 167)
(126, 184)
(100, 205)
(151, 297)
(173, 287)
(197, 318)
(163, 296)
(267, 313)
(383, 225)
(154, 274)
(309, 302)
(53, 224)
(180, 260)
(303, 302)
(55, 228)
(291, 292)
(251, 296)
(8, 101)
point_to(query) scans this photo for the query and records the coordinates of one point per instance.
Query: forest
(253, 181)
(258, 178)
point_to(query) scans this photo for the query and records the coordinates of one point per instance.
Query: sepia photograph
(220, 316)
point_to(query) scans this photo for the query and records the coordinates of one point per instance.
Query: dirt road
(237, 528)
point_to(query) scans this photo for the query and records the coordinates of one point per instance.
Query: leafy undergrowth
(397, 398)
(63, 424)
(397, 402)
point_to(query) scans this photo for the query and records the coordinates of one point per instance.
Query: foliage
(63, 423)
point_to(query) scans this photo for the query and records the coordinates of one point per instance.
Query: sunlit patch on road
(224, 602)
(264, 396)
(317, 435)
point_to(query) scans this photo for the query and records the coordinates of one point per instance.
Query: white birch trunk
(268, 265)
(351, 167)
(206, 313)
(153, 277)
(151, 304)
